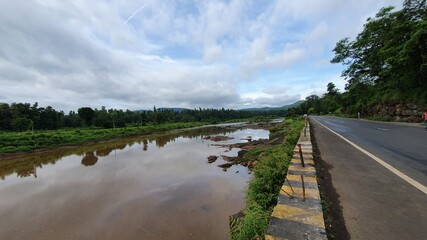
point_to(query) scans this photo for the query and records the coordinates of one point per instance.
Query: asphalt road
(376, 203)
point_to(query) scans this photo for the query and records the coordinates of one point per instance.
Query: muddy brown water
(150, 187)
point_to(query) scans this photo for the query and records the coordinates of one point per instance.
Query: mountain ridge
(177, 109)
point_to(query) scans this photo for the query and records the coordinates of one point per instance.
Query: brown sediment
(245, 147)
(228, 158)
(218, 138)
(212, 158)
(225, 165)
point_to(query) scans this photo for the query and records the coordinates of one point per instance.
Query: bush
(269, 173)
(26, 141)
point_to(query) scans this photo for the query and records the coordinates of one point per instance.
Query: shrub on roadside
(269, 173)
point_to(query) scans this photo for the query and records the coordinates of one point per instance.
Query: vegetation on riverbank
(12, 142)
(26, 141)
(20, 117)
(25, 127)
(263, 189)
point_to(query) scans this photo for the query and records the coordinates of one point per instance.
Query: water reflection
(89, 159)
(156, 186)
(26, 165)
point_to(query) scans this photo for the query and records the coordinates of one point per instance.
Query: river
(157, 186)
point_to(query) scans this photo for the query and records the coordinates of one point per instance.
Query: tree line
(385, 64)
(24, 117)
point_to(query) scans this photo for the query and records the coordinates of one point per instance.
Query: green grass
(263, 189)
(380, 118)
(11, 142)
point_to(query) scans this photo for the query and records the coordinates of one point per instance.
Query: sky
(206, 53)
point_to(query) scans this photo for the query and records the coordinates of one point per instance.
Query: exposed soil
(218, 138)
(334, 219)
(245, 146)
(212, 158)
(225, 166)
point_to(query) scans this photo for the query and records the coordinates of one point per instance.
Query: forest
(385, 65)
(24, 117)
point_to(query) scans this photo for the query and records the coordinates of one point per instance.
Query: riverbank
(163, 175)
(272, 163)
(19, 142)
(24, 163)
(28, 141)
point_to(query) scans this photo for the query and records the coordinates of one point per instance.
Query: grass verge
(263, 189)
(12, 142)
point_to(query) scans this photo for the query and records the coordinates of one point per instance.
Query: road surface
(383, 195)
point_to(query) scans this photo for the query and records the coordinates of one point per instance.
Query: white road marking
(382, 129)
(403, 176)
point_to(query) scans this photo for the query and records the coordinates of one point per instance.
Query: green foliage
(86, 113)
(255, 223)
(263, 189)
(385, 64)
(20, 124)
(22, 116)
(26, 141)
(380, 118)
(389, 55)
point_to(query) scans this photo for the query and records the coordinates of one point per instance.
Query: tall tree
(87, 114)
(387, 62)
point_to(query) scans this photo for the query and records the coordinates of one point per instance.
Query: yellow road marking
(305, 156)
(300, 215)
(269, 237)
(294, 177)
(306, 151)
(302, 169)
(297, 192)
(305, 161)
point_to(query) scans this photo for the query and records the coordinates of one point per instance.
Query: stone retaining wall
(408, 112)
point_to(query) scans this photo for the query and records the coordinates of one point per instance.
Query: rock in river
(225, 165)
(218, 138)
(212, 158)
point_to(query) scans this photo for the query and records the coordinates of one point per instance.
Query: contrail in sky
(136, 12)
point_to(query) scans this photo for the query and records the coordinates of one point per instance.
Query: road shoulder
(332, 209)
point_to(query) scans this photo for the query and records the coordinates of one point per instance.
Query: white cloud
(182, 53)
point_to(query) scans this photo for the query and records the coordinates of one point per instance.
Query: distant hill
(175, 109)
(295, 104)
(163, 109)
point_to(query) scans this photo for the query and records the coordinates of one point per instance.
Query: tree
(86, 113)
(20, 124)
(415, 9)
(387, 61)
(332, 90)
(73, 120)
(5, 117)
(313, 101)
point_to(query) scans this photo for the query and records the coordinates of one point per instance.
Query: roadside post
(300, 154)
(305, 125)
(303, 187)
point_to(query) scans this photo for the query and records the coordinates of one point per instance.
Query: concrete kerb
(298, 213)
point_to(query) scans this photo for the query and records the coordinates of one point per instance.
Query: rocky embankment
(408, 112)
(245, 147)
